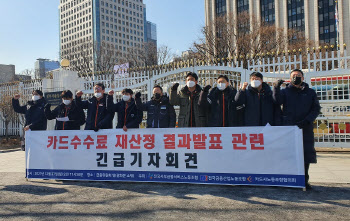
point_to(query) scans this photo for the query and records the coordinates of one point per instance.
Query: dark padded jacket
(300, 104)
(75, 114)
(190, 112)
(34, 113)
(98, 115)
(159, 114)
(259, 107)
(133, 116)
(223, 107)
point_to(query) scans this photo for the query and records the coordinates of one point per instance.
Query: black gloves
(279, 82)
(206, 88)
(96, 129)
(175, 86)
(302, 124)
(138, 95)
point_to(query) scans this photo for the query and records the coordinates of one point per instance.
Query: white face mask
(35, 97)
(126, 97)
(67, 102)
(255, 83)
(98, 95)
(191, 83)
(221, 86)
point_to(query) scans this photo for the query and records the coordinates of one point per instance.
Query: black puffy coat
(222, 114)
(133, 114)
(259, 107)
(189, 108)
(159, 114)
(300, 105)
(34, 113)
(98, 115)
(75, 114)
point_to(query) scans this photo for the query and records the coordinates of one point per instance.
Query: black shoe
(308, 186)
(23, 148)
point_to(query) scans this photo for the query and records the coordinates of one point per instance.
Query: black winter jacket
(98, 115)
(34, 113)
(223, 107)
(75, 114)
(300, 105)
(133, 116)
(259, 107)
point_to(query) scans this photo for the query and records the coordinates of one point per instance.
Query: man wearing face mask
(222, 104)
(160, 113)
(260, 108)
(68, 115)
(191, 115)
(301, 108)
(129, 116)
(98, 115)
(33, 110)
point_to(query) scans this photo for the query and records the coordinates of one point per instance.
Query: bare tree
(243, 40)
(26, 74)
(165, 55)
(144, 55)
(7, 114)
(90, 57)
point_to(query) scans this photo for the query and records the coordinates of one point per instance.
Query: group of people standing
(253, 104)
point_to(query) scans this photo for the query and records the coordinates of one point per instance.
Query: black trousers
(306, 166)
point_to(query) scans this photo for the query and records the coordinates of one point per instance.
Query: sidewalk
(331, 167)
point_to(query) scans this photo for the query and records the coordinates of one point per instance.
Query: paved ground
(51, 200)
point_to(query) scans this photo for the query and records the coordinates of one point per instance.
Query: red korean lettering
(215, 141)
(256, 139)
(101, 142)
(185, 141)
(148, 140)
(169, 141)
(199, 141)
(88, 142)
(52, 142)
(137, 140)
(239, 139)
(62, 141)
(75, 142)
(122, 141)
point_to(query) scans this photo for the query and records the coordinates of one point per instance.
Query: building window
(268, 11)
(327, 21)
(296, 14)
(220, 7)
(242, 5)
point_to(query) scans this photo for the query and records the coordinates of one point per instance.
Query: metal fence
(327, 72)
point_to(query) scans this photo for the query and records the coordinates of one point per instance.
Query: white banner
(239, 156)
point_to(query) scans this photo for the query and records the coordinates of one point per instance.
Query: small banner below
(264, 156)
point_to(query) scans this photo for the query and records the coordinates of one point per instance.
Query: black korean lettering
(137, 158)
(191, 161)
(119, 159)
(172, 160)
(153, 161)
(101, 156)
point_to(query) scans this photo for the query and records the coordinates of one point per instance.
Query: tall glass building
(120, 23)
